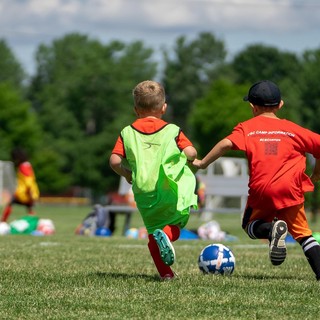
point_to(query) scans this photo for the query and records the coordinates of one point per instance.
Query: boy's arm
(316, 172)
(115, 162)
(216, 152)
(190, 152)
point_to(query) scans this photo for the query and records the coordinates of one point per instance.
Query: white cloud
(291, 24)
(42, 8)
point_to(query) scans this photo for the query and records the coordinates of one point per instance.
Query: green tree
(18, 123)
(309, 83)
(11, 70)
(310, 97)
(189, 71)
(216, 114)
(260, 62)
(47, 164)
(82, 92)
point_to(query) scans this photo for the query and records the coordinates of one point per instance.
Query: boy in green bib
(153, 156)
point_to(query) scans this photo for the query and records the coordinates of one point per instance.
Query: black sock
(259, 229)
(311, 249)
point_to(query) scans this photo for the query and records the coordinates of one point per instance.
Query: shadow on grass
(123, 276)
(268, 277)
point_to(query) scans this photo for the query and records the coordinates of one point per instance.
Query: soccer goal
(7, 181)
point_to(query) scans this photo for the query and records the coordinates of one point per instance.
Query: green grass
(66, 276)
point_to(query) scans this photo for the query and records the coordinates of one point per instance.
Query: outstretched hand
(197, 163)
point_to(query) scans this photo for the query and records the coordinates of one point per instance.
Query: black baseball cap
(264, 93)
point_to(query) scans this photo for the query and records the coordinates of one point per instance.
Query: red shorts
(295, 217)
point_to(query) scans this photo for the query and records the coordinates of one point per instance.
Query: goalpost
(7, 181)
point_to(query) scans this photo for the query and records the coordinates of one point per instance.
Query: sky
(289, 25)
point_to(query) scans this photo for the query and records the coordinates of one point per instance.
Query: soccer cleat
(165, 247)
(277, 248)
(167, 277)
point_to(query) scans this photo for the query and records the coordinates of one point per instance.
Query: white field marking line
(48, 244)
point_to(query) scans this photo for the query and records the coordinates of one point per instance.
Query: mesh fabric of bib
(162, 183)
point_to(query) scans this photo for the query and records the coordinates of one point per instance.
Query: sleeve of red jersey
(237, 138)
(311, 142)
(183, 141)
(119, 148)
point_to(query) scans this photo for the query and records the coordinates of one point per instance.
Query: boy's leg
(276, 233)
(257, 226)
(163, 239)
(163, 269)
(172, 231)
(7, 210)
(300, 231)
(165, 247)
(30, 208)
(311, 249)
(6, 213)
(259, 229)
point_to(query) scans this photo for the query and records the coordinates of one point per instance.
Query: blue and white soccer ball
(216, 259)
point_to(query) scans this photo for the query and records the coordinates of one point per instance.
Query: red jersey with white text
(276, 151)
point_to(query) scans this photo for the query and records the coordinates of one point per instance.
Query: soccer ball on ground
(216, 259)
(46, 226)
(132, 233)
(4, 228)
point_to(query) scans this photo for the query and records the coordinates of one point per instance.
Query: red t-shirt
(276, 150)
(150, 125)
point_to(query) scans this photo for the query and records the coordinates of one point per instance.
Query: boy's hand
(197, 163)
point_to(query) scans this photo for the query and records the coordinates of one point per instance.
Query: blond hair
(149, 95)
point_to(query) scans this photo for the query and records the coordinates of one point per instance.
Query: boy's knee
(172, 231)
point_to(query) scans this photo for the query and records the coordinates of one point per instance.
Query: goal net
(7, 181)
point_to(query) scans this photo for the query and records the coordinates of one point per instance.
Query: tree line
(70, 112)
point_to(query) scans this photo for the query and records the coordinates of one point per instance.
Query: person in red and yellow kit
(276, 152)
(27, 191)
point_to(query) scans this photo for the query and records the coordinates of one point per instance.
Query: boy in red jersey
(27, 191)
(152, 155)
(276, 151)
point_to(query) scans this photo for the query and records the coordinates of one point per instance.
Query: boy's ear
(253, 107)
(164, 108)
(281, 104)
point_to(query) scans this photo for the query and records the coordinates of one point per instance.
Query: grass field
(65, 276)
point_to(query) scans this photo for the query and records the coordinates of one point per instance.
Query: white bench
(226, 183)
